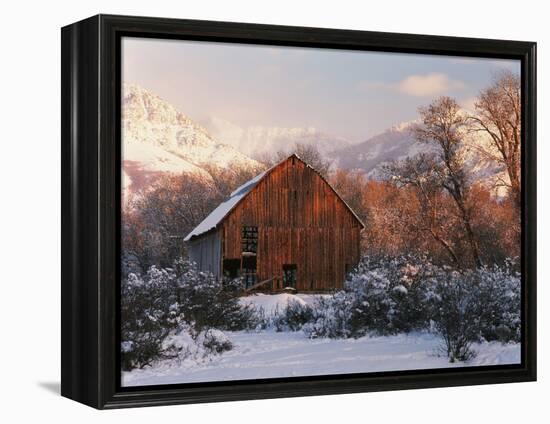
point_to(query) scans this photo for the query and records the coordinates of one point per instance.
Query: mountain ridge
(259, 141)
(398, 143)
(157, 138)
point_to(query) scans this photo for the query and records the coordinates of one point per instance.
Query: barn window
(290, 273)
(249, 240)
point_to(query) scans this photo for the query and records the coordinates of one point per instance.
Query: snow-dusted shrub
(455, 313)
(500, 297)
(292, 317)
(381, 295)
(216, 342)
(206, 302)
(147, 317)
(182, 346)
(331, 317)
(255, 317)
(389, 294)
(476, 305)
(171, 300)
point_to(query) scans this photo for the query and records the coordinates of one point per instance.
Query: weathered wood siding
(300, 221)
(206, 252)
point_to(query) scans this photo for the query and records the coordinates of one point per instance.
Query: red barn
(287, 227)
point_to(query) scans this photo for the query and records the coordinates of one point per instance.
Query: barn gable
(218, 215)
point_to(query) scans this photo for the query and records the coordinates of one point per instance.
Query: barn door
(290, 274)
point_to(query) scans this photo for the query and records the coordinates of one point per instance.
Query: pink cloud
(428, 85)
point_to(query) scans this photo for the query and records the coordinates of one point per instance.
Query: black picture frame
(91, 176)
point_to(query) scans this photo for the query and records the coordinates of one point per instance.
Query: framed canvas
(255, 211)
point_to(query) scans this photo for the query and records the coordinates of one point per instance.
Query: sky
(350, 94)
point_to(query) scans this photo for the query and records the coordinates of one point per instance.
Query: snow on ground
(268, 354)
(273, 302)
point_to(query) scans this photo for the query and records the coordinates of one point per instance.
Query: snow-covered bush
(386, 295)
(390, 293)
(455, 313)
(206, 302)
(372, 306)
(331, 317)
(500, 295)
(146, 317)
(381, 295)
(182, 346)
(216, 342)
(171, 300)
(292, 317)
(475, 305)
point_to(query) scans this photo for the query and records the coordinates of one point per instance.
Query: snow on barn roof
(218, 214)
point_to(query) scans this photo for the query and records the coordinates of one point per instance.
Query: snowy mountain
(157, 139)
(393, 144)
(398, 142)
(258, 141)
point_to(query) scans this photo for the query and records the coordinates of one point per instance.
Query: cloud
(428, 85)
(499, 63)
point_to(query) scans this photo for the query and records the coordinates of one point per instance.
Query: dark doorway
(231, 268)
(290, 274)
(249, 270)
(348, 268)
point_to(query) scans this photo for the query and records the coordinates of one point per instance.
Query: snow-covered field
(270, 354)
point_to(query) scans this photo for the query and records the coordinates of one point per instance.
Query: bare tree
(351, 186)
(307, 152)
(445, 126)
(228, 179)
(498, 113)
(422, 172)
(158, 219)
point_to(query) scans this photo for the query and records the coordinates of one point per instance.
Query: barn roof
(223, 209)
(218, 214)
